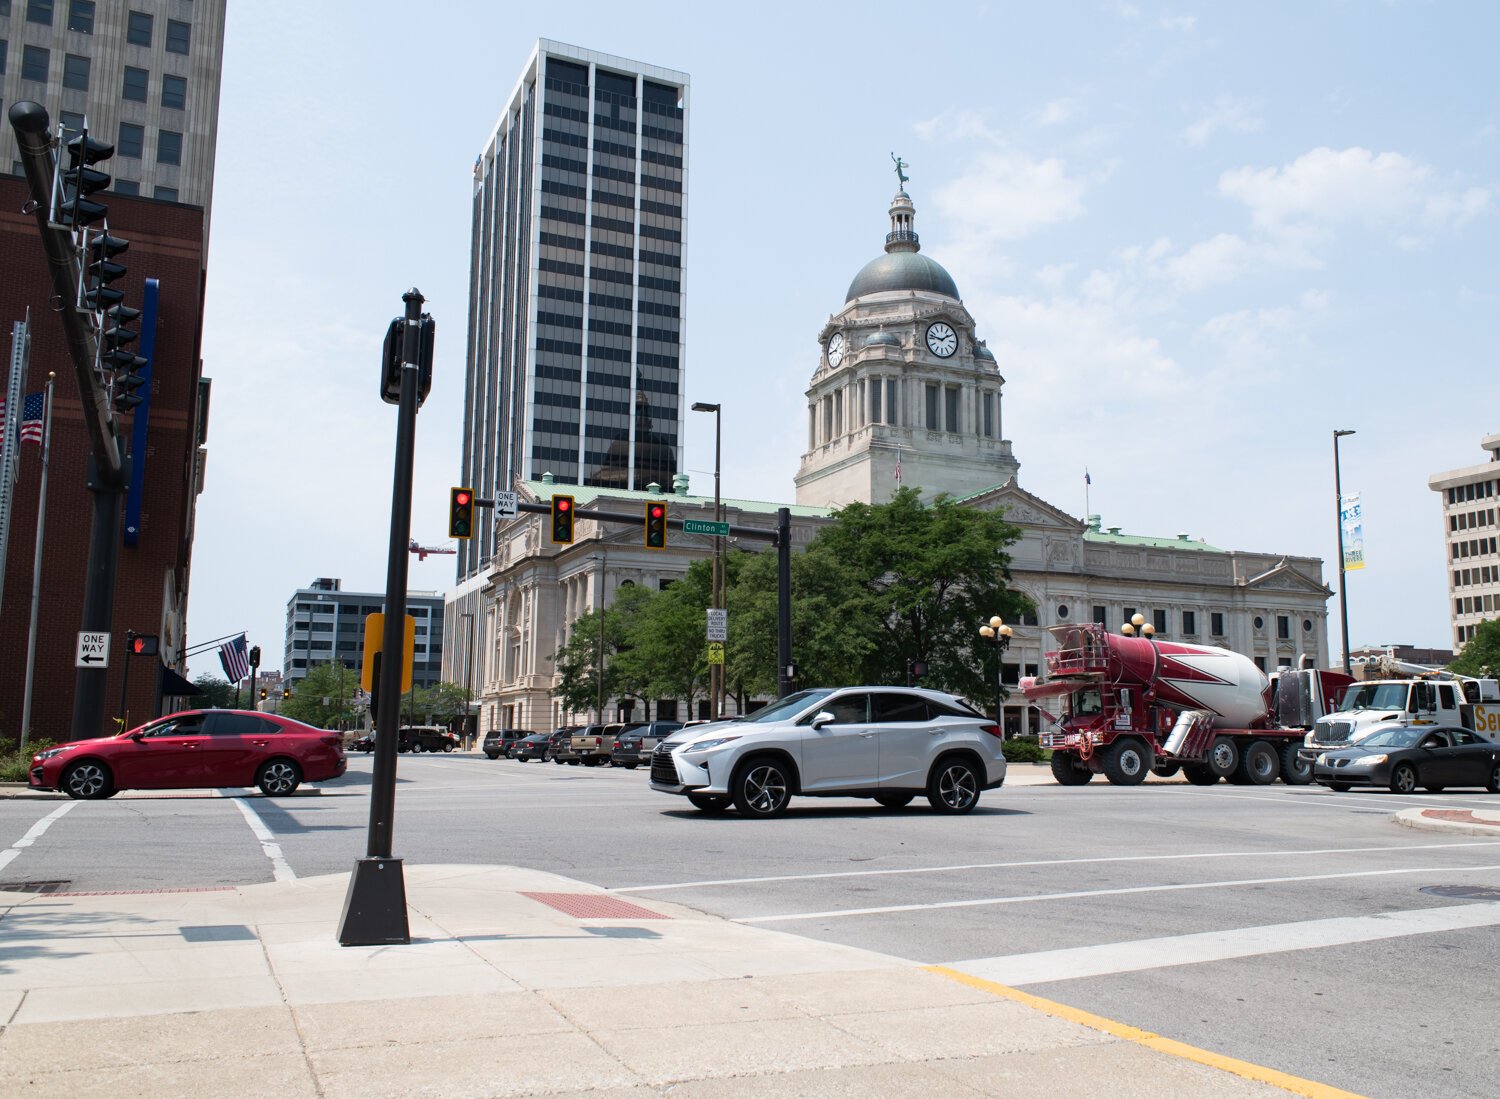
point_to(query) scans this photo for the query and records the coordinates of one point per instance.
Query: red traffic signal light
(562, 520)
(461, 513)
(656, 525)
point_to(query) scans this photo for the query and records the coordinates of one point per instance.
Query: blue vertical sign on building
(133, 498)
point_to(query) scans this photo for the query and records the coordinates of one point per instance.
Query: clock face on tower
(942, 340)
(835, 349)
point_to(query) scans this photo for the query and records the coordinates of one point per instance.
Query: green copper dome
(902, 271)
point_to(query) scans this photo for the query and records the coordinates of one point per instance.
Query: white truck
(1433, 699)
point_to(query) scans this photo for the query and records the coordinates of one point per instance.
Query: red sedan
(196, 748)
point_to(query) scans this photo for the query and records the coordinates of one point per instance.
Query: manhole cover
(33, 886)
(1466, 892)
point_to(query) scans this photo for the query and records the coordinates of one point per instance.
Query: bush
(1025, 749)
(15, 761)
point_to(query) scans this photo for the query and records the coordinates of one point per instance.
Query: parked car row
(614, 744)
(413, 738)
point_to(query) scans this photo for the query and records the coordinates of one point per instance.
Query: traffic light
(80, 179)
(286, 692)
(460, 513)
(656, 525)
(392, 354)
(143, 644)
(262, 694)
(562, 520)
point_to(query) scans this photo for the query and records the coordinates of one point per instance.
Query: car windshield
(1375, 696)
(786, 707)
(1403, 737)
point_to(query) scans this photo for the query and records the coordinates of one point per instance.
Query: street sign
(716, 652)
(718, 625)
(93, 650)
(375, 642)
(506, 505)
(704, 526)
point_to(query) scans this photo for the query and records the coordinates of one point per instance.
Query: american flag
(33, 412)
(1086, 478)
(235, 657)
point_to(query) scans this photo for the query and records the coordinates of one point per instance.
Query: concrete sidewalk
(519, 982)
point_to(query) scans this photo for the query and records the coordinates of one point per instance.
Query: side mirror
(821, 718)
(137, 736)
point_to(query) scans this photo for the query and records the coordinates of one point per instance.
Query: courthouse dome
(902, 271)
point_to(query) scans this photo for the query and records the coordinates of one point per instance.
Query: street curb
(1415, 819)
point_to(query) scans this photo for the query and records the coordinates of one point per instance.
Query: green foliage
(1481, 655)
(335, 683)
(217, 693)
(1025, 749)
(443, 703)
(15, 761)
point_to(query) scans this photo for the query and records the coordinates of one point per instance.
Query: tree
(325, 697)
(1481, 654)
(443, 702)
(217, 693)
(881, 587)
(577, 664)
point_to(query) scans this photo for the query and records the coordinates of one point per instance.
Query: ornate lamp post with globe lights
(1138, 622)
(997, 633)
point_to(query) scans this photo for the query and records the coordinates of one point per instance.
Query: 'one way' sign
(93, 650)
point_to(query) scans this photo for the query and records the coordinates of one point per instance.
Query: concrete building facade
(325, 624)
(1470, 533)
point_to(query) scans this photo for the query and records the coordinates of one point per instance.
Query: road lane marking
(281, 870)
(888, 872)
(1106, 959)
(1297, 1085)
(33, 834)
(982, 902)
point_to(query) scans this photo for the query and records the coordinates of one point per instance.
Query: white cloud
(1227, 113)
(1054, 113)
(1005, 195)
(1217, 260)
(1178, 22)
(1333, 186)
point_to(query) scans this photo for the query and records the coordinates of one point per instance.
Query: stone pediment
(1286, 578)
(1024, 509)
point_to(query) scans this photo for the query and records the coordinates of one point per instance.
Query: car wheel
(894, 801)
(1338, 787)
(278, 778)
(1404, 779)
(546, 755)
(762, 788)
(1258, 765)
(448, 746)
(492, 755)
(1434, 789)
(953, 786)
(1493, 785)
(572, 763)
(1295, 771)
(1223, 757)
(709, 803)
(1067, 771)
(630, 766)
(1126, 763)
(1199, 774)
(416, 748)
(88, 780)
(1165, 770)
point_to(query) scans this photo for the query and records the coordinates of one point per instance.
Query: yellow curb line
(1294, 1084)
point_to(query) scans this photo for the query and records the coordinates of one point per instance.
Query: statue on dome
(900, 174)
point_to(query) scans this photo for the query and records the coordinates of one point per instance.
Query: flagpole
(1087, 481)
(36, 565)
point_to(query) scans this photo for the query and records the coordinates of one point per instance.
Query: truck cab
(1380, 702)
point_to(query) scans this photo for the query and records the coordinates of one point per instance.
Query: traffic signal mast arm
(633, 518)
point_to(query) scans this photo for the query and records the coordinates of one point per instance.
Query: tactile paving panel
(595, 906)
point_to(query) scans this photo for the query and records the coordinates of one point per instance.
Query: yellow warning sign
(716, 652)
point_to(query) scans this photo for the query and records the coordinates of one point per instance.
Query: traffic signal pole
(375, 905)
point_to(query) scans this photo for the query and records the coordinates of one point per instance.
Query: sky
(1198, 239)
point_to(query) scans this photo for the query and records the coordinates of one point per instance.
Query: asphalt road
(1291, 927)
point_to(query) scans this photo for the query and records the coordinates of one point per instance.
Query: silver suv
(886, 743)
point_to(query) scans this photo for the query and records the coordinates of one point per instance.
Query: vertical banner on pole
(10, 440)
(1352, 517)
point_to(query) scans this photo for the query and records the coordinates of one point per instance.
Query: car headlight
(705, 745)
(1375, 759)
(1323, 758)
(50, 752)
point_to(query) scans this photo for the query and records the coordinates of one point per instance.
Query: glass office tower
(575, 295)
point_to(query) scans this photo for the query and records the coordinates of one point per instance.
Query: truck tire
(1223, 757)
(1295, 771)
(1127, 762)
(1165, 770)
(1067, 771)
(1258, 765)
(1199, 774)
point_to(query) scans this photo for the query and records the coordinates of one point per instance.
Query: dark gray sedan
(1406, 757)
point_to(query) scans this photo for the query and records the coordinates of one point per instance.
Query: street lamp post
(716, 671)
(1138, 622)
(1338, 510)
(468, 617)
(997, 633)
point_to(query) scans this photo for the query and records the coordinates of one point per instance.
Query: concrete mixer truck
(1136, 705)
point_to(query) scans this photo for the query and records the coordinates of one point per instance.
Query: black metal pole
(98, 600)
(375, 905)
(784, 601)
(125, 675)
